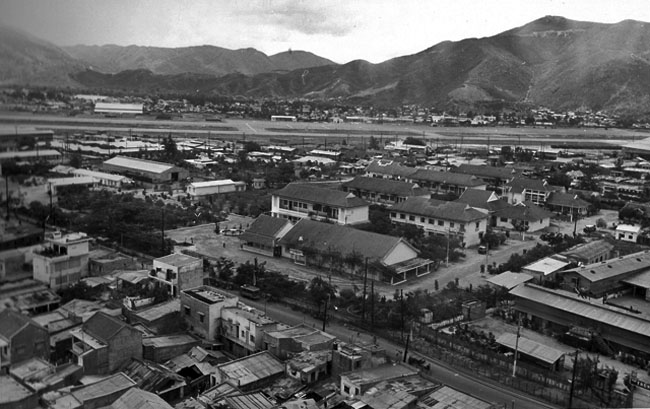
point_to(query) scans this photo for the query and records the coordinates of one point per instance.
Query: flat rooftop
(206, 294)
(177, 260)
(11, 390)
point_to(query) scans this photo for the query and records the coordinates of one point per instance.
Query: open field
(315, 132)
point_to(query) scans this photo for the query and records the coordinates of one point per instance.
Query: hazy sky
(341, 30)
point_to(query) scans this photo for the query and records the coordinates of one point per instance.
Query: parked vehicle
(590, 228)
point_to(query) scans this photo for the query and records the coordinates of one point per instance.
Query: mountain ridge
(556, 62)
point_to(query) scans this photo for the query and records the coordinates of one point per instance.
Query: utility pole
(325, 312)
(573, 379)
(406, 347)
(448, 232)
(162, 232)
(514, 365)
(363, 301)
(401, 296)
(372, 305)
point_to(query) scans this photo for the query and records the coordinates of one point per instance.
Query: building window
(201, 317)
(402, 216)
(421, 219)
(346, 389)
(252, 338)
(243, 334)
(441, 222)
(412, 218)
(188, 311)
(431, 221)
(393, 215)
(504, 219)
(478, 224)
(451, 224)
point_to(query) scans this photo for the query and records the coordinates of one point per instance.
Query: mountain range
(553, 61)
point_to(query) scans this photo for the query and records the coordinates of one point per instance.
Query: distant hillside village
(59, 101)
(161, 270)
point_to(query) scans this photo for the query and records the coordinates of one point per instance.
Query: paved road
(482, 389)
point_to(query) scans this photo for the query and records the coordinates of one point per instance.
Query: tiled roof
(439, 209)
(389, 186)
(316, 194)
(319, 235)
(389, 167)
(476, 197)
(526, 211)
(266, 226)
(139, 164)
(447, 178)
(11, 322)
(518, 185)
(566, 199)
(487, 171)
(102, 326)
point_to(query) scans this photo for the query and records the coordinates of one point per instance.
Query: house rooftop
(317, 194)
(11, 322)
(136, 398)
(207, 294)
(11, 390)
(252, 368)
(177, 260)
(547, 265)
(107, 386)
(509, 280)
(389, 167)
(387, 186)
(447, 397)
(603, 270)
(344, 239)
(487, 171)
(380, 373)
(169, 340)
(211, 183)
(252, 316)
(588, 250)
(447, 178)
(264, 229)
(439, 209)
(148, 166)
(529, 347)
(159, 310)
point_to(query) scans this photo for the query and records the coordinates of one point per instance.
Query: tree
(372, 143)
(320, 290)
(169, 147)
(75, 160)
(520, 226)
(414, 141)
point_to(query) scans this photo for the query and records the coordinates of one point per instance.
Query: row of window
(424, 220)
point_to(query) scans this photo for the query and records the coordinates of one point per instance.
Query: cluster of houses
(201, 348)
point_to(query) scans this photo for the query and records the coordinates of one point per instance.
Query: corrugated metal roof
(252, 368)
(251, 401)
(570, 303)
(107, 386)
(614, 267)
(530, 347)
(136, 398)
(447, 397)
(509, 280)
(640, 280)
(139, 164)
(546, 265)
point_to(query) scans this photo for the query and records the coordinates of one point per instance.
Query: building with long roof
(302, 200)
(559, 310)
(310, 240)
(453, 219)
(146, 171)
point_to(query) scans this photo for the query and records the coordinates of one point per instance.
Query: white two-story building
(63, 261)
(452, 219)
(300, 201)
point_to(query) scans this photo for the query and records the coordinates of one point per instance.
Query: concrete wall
(29, 342)
(125, 345)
